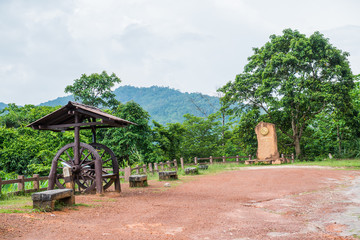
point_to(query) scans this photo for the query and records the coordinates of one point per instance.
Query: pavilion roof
(63, 119)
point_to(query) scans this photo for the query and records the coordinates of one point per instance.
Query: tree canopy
(292, 79)
(95, 89)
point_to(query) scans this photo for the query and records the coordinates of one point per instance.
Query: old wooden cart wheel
(109, 164)
(84, 173)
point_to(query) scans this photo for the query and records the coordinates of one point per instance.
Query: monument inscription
(267, 142)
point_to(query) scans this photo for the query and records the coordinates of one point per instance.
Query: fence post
(224, 159)
(156, 167)
(21, 183)
(249, 156)
(169, 164)
(182, 163)
(127, 173)
(162, 166)
(144, 168)
(0, 186)
(137, 169)
(175, 164)
(36, 182)
(211, 160)
(292, 158)
(195, 160)
(151, 168)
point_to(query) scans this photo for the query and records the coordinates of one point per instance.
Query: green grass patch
(12, 211)
(343, 163)
(15, 200)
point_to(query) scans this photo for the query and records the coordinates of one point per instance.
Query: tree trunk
(339, 139)
(296, 139)
(297, 146)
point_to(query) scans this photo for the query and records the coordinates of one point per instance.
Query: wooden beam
(69, 125)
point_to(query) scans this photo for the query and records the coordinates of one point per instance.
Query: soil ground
(249, 203)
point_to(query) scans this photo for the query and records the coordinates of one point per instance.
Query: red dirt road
(251, 203)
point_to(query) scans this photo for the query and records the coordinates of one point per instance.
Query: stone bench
(203, 167)
(247, 162)
(46, 200)
(191, 170)
(138, 181)
(168, 175)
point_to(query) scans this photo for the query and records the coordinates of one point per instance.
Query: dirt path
(251, 203)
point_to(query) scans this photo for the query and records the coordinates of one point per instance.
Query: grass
(353, 164)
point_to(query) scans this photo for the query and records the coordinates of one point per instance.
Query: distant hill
(60, 101)
(2, 105)
(165, 105)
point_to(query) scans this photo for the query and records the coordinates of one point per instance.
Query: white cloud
(188, 45)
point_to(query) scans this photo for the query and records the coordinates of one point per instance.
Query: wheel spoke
(86, 157)
(67, 153)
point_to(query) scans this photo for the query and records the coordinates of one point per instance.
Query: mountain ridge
(164, 104)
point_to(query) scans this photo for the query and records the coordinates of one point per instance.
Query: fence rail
(212, 159)
(21, 184)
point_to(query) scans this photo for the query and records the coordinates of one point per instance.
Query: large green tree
(293, 78)
(95, 89)
(168, 139)
(132, 143)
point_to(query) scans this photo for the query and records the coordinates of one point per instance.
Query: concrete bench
(167, 175)
(203, 167)
(191, 170)
(46, 200)
(138, 181)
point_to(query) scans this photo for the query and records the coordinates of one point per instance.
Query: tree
(168, 139)
(95, 90)
(293, 78)
(202, 136)
(133, 143)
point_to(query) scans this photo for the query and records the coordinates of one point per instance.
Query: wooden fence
(212, 160)
(292, 156)
(21, 184)
(144, 169)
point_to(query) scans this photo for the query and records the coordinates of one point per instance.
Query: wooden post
(162, 166)
(250, 157)
(151, 168)
(282, 155)
(77, 141)
(237, 158)
(195, 160)
(169, 164)
(292, 158)
(224, 159)
(36, 182)
(137, 169)
(156, 167)
(144, 168)
(69, 183)
(21, 183)
(211, 160)
(175, 164)
(182, 163)
(127, 173)
(98, 176)
(0, 185)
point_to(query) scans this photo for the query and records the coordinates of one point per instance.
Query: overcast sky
(190, 45)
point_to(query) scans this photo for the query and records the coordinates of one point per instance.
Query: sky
(189, 45)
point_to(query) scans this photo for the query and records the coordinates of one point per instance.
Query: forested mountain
(165, 105)
(2, 105)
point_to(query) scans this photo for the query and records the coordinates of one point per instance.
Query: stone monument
(267, 143)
